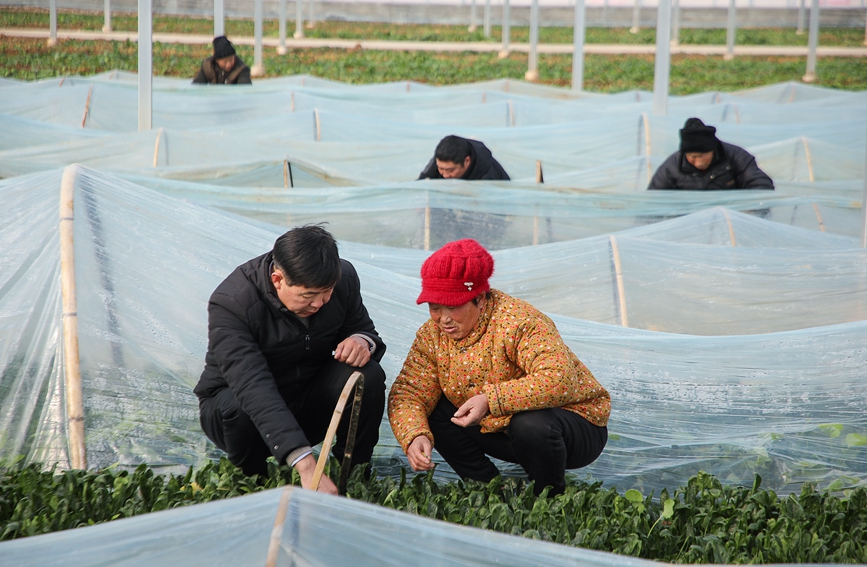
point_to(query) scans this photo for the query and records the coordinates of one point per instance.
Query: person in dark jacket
(224, 67)
(705, 163)
(285, 332)
(460, 158)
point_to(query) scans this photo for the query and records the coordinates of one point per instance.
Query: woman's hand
(472, 412)
(418, 454)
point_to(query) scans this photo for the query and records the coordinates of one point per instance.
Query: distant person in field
(460, 158)
(224, 67)
(705, 163)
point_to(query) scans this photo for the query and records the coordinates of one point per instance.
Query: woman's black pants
(544, 442)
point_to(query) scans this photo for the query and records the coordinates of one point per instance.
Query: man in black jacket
(224, 67)
(705, 163)
(460, 158)
(285, 331)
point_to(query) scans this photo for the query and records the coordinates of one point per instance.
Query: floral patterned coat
(514, 355)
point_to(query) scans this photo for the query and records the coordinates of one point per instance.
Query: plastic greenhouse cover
(735, 344)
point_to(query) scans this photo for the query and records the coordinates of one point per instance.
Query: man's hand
(354, 351)
(305, 468)
(472, 412)
(418, 454)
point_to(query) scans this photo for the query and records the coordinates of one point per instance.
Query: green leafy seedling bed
(703, 522)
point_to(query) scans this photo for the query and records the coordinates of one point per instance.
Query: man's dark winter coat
(732, 168)
(482, 165)
(265, 354)
(211, 73)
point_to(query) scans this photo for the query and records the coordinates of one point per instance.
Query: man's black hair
(308, 257)
(452, 148)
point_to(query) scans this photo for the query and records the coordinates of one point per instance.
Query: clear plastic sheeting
(729, 326)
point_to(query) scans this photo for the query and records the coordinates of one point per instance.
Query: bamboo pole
(332, 429)
(511, 113)
(504, 50)
(427, 222)
(618, 273)
(71, 363)
(285, 174)
(731, 228)
(145, 64)
(646, 122)
(864, 210)
(318, 133)
(535, 231)
(157, 147)
(86, 105)
(819, 217)
(277, 531)
(809, 159)
(539, 177)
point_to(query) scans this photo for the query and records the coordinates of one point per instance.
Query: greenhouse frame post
(472, 27)
(675, 26)
(281, 49)
(52, 23)
(299, 20)
(311, 21)
(801, 17)
(507, 29)
(812, 42)
(258, 69)
(71, 361)
(145, 65)
(636, 17)
(486, 23)
(578, 48)
(532, 73)
(731, 29)
(106, 22)
(662, 60)
(864, 210)
(219, 18)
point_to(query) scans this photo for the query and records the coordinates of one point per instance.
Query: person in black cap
(224, 67)
(460, 158)
(705, 163)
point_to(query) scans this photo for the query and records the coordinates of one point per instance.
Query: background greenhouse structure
(730, 327)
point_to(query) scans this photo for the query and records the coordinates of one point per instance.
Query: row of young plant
(703, 522)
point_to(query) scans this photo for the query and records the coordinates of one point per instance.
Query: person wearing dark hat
(460, 158)
(489, 375)
(705, 163)
(224, 67)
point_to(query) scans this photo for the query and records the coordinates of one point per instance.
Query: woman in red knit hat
(489, 375)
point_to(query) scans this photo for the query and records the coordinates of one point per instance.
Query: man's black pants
(232, 430)
(544, 442)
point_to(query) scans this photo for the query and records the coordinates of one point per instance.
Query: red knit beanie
(456, 273)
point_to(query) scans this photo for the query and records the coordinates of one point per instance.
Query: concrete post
(801, 17)
(281, 49)
(311, 21)
(472, 27)
(504, 51)
(219, 18)
(730, 32)
(487, 19)
(675, 25)
(52, 23)
(578, 48)
(662, 58)
(299, 20)
(636, 17)
(145, 65)
(810, 75)
(106, 23)
(258, 69)
(532, 73)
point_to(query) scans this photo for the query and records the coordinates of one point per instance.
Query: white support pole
(281, 49)
(801, 17)
(258, 68)
(487, 19)
(865, 31)
(636, 17)
(472, 27)
(299, 20)
(578, 48)
(675, 26)
(662, 59)
(219, 18)
(810, 75)
(532, 73)
(145, 65)
(730, 32)
(106, 24)
(311, 21)
(52, 23)
(507, 28)
(864, 210)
